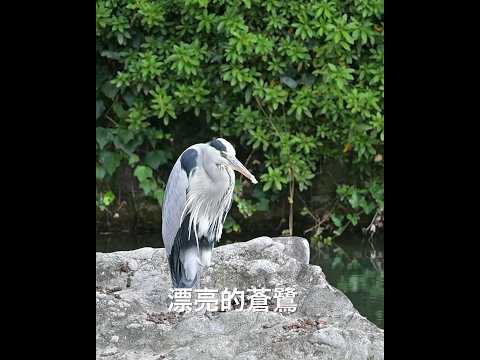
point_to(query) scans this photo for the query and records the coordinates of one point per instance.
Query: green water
(356, 267)
(353, 265)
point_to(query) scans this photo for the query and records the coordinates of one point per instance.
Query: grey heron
(197, 199)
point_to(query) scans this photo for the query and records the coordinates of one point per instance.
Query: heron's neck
(209, 199)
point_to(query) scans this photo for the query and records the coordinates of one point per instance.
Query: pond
(356, 267)
(353, 264)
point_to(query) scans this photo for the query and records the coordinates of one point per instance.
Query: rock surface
(133, 321)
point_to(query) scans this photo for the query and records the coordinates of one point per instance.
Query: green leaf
(108, 198)
(248, 95)
(337, 220)
(103, 137)
(100, 173)
(156, 158)
(353, 218)
(119, 110)
(109, 90)
(111, 161)
(278, 185)
(337, 38)
(143, 173)
(203, 3)
(133, 159)
(125, 136)
(355, 200)
(148, 186)
(347, 37)
(159, 194)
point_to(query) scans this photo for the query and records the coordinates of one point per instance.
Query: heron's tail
(178, 274)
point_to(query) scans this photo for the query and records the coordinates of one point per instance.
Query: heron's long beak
(238, 166)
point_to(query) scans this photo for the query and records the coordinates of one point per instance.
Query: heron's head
(225, 155)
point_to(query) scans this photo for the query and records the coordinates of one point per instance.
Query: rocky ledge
(133, 321)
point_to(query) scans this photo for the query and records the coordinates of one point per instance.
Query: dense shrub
(292, 83)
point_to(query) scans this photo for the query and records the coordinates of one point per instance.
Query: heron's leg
(191, 267)
(206, 249)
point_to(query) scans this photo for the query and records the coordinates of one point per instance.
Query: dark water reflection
(353, 265)
(356, 267)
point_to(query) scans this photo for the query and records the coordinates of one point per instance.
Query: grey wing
(173, 205)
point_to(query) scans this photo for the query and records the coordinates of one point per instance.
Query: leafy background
(296, 86)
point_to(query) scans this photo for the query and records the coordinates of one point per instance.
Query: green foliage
(296, 83)
(105, 200)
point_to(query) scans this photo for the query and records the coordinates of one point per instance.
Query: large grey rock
(295, 247)
(133, 321)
